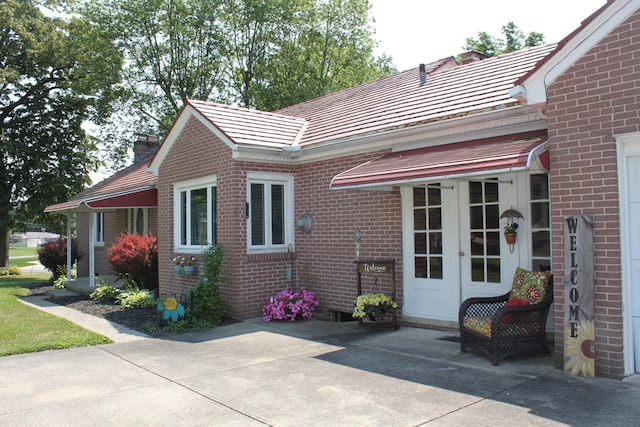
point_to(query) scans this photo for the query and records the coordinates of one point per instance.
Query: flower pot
(510, 238)
(176, 269)
(376, 317)
(189, 270)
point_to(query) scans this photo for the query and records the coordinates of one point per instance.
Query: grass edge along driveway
(25, 329)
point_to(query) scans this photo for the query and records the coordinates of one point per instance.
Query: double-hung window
(195, 213)
(269, 212)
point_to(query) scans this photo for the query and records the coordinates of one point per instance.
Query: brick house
(590, 91)
(417, 168)
(412, 163)
(123, 202)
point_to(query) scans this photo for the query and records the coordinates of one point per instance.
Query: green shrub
(208, 305)
(12, 270)
(53, 256)
(133, 297)
(104, 292)
(136, 255)
(60, 282)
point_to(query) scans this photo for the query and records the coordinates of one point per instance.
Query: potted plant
(510, 232)
(290, 305)
(373, 306)
(186, 266)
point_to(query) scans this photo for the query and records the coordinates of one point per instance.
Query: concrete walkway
(308, 373)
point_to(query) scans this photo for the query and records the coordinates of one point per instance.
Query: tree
(332, 50)
(264, 54)
(53, 77)
(514, 39)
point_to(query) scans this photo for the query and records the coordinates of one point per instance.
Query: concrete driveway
(309, 373)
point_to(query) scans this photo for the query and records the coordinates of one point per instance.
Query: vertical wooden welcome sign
(579, 305)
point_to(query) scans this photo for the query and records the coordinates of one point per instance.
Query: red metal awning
(143, 198)
(478, 157)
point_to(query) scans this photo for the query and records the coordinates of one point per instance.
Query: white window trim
(132, 220)
(273, 178)
(207, 182)
(98, 221)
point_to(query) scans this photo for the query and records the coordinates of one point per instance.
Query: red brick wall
(326, 256)
(323, 259)
(597, 98)
(115, 222)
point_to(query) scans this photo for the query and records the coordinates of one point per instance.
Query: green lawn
(22, 251)
(24, 329)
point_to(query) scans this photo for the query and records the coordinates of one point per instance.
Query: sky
(422, 31)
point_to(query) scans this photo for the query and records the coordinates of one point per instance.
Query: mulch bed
(135, 319)
(131, 318)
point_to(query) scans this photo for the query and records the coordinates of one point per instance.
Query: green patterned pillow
(530, 286)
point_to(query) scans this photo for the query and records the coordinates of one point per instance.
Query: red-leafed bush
(136, 255)
(53, 255)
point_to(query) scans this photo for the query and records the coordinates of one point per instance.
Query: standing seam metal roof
(389, 103)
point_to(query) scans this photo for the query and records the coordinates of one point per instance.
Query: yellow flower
(170, 303)
(580, 351)
(368, 303)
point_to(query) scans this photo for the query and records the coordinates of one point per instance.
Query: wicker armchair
(512, 323)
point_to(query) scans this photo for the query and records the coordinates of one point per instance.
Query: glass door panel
(484, 225)
(427, 231)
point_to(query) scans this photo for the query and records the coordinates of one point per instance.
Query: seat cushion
(480, 324)
(530, 286)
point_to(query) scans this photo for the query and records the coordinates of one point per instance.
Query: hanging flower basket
(510, 238)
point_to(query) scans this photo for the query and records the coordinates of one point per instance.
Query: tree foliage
(264, 54)
(514, 39)
(54, 75)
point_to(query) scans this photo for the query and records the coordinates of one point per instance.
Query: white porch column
(92, 266)
(69, 240)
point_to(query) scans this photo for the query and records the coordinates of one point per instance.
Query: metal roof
(252, 127)
(400, 101)
(394, 102)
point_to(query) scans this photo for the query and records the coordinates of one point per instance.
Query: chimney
(423, 75)
(472, 56)
(144, 146)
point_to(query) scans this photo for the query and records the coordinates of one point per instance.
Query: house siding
(322, 260)
(594, 100)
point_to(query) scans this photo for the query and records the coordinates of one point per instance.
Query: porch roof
(141, 198)
(132, 187)
(478, 157)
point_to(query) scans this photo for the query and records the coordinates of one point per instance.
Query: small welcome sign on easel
(579, 306)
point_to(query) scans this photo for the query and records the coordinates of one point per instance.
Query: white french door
(430, 230)
(453, 247)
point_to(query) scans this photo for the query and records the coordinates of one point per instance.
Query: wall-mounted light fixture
(305, 223)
